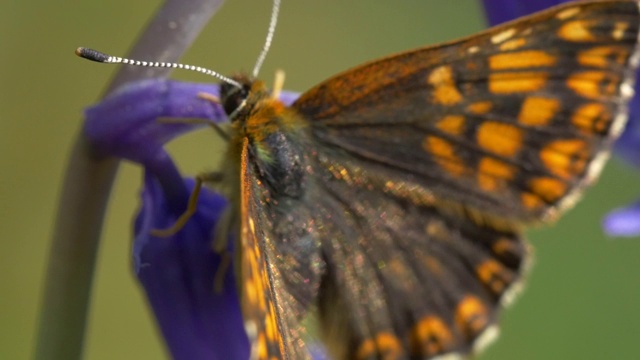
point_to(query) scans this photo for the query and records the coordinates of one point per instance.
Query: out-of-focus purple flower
(624, 221)
(620, 222)
(176, 272)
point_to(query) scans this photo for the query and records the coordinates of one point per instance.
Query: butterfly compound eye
(232, 96)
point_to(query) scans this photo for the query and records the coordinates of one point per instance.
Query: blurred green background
(582, 296)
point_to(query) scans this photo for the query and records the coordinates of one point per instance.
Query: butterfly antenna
(101, 57)
(267, 43)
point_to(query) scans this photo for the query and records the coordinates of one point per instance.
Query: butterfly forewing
(392, 196)
(505, 124)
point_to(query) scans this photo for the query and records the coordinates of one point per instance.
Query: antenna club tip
(91, 54)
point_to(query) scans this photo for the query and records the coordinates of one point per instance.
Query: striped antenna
(267, 43)
(101, 57)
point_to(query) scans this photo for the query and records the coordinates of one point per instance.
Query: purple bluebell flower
(177, 272)
(499, 11)
(621, 222)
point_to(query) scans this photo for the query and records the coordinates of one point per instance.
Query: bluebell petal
(499, 11)
(178, 274)
(126, 125)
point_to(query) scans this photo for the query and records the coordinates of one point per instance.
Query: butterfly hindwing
(406, 281)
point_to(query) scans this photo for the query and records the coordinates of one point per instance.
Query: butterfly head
(231, 96)
(238, 101)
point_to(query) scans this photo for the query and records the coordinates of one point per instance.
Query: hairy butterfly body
(392, 197)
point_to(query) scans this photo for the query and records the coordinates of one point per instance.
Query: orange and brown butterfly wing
(429, 161)
(507, 125)
(408, 282)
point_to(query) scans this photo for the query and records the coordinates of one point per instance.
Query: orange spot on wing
(513, 44)
(430, 336)
(593, 84)
(537, 111)
(520, 60)
(565, 158)
(253, 289)
(444, 88)
(592, 118)
(516, 82)
(577, 31)
(444, 154)
(494, 275)
(602, 56)
(447, 95)
(492, 173)
(471, 316)
(384, 346)
(499, 138)
(263, 349)
(451, 124)
(506, 248)
(531, 201)
(548, 189)
(271, 326)
(480, 107)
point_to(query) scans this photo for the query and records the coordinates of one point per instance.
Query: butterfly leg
(191, 205)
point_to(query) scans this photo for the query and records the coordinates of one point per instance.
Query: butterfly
(392, 198)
